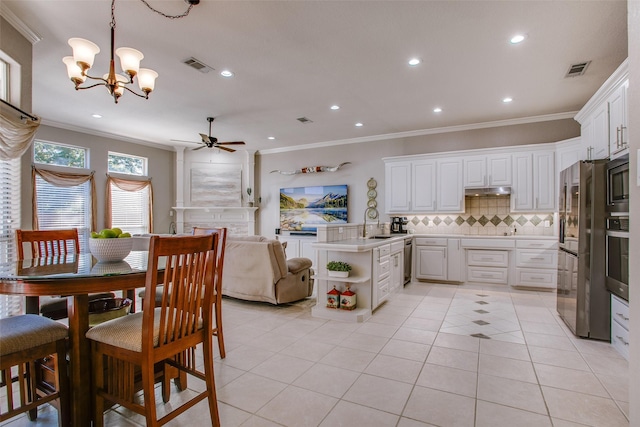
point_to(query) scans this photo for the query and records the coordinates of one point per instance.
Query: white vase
(338, 273)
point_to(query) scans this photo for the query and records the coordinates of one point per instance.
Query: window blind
(130, 210)
(65, 207)
(9, 221)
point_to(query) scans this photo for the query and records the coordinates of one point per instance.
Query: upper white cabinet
(450, 194)
(487, 171)
(603, 119)
(424, 185)
(618, 119)
(533, 182)
(397, 193)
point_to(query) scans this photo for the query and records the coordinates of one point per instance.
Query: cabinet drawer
(487, 275)
(385, 250)
(620, 311)
(536, 244)
(383, 268)
(536, 258)
(536, 278)
(430, 241)
(620, 339)
(487, 258)
(397, 246)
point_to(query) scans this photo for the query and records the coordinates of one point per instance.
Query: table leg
(80, 360)
(32, 305)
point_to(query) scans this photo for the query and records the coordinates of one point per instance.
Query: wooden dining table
(75, 276)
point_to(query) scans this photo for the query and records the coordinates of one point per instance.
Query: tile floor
(433, 355)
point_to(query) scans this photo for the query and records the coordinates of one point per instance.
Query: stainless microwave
(618, 185)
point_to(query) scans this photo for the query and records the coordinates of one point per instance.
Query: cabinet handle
(617, 137)
(536, 244)
(487, 259)
(537, 278)
(486, 275)
(622, 316)
(536, 203)
(434, 204)
(622, 143)
(622, 339)
(538, 259)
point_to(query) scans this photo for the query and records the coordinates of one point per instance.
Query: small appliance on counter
(399, 225)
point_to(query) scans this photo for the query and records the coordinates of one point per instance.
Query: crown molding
(19, 25)
(107, 135)
(421, 132)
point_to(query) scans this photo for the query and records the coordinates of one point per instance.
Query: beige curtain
(16, 135)
(128, 185)
(63, 179)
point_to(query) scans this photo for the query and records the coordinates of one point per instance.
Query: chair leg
(31, 387)
(98, 384)
(64, 405)
(219, 333)
(148, 382)
(207, 349)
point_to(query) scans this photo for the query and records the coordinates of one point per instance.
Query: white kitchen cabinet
(381, 268)
(534, 181)
(618, 121)
(300, 247)
(398, 177)
(536, 264)
(595, 133)
(487, 171)
(450, 192)
(396, 273)
(439, 259)
(423, 186)
(455, 261)
(488, 266)
(620, 325)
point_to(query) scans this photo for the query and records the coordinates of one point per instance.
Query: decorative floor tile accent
(482, 295)
(481, 302)
(482, 311)
(483, 336)
(481, 322)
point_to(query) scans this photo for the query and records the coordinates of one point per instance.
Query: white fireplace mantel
(237, 218)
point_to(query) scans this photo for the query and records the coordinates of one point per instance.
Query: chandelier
(84, 52)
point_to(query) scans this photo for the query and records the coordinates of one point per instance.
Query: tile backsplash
(485, 215)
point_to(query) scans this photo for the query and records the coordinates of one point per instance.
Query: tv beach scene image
(302, 209)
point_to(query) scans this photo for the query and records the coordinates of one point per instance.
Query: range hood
(487, 191)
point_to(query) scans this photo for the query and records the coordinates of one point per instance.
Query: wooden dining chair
(165, 334)
(51, 243)
(24, 340)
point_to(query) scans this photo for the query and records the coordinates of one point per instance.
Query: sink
(380, 236)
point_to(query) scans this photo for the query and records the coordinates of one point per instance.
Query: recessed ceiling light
(226, 73)
(518, 38)
(96, 116)
(437, 110)
(271, 137)
(335, 107)
(414, 61)
(507, 100)
(359, 124)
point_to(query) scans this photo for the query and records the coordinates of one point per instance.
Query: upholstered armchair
(256, 269)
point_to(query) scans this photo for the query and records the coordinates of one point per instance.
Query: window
(59, 154)
(127, 164)
(4, 80)
(9, 222)
(63, 199)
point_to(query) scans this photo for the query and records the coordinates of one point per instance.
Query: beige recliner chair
(256, 269)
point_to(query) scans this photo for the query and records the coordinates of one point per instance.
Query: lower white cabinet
(488, 266)
(536, 264)
(620, 326)
(396, 266)
(300, 247)
(438, 259)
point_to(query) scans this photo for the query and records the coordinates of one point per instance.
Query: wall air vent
(576, 70)
(304, 120)
(198, 65)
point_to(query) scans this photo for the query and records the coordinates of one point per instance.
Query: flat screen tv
(302, 209)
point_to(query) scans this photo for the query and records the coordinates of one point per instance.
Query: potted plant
(338, 268)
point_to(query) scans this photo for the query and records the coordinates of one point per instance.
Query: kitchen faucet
(364, 225)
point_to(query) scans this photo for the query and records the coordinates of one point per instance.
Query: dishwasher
(407, 260)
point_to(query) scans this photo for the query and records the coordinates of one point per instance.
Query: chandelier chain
(168, 16)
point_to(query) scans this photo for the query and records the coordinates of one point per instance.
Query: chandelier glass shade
(84, 52)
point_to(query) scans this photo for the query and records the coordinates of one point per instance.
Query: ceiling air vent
(198, 65)
(304, 120)
(576, 70)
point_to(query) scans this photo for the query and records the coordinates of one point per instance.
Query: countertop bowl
(110, 250)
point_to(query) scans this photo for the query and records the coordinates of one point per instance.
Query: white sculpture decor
(312, 169)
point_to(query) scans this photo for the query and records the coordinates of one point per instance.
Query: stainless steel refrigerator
(583, 301)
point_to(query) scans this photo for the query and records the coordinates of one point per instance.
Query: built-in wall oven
(617, 271)
(618, 185)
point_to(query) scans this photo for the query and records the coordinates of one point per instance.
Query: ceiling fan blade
(230, 143)
(231, 150)
(194, 149)
(205, 139)
(188, 142)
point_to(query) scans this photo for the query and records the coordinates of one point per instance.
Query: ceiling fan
(212, 142)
